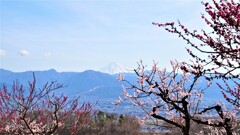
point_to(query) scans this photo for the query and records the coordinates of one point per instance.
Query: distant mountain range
(86, 84)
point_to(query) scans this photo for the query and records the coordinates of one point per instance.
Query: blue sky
(76, 35)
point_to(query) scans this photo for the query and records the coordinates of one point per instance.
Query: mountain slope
(88, 83)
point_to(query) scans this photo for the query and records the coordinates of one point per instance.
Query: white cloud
(2, 53)
(47, 54)
(24, 52)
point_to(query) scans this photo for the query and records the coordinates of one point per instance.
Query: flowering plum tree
(221, 45)
(39, 110)
(174, 97)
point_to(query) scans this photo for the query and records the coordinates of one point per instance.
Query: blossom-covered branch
(39, 110)
(174, 97)
(221, 44)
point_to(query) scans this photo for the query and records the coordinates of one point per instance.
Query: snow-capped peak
(113, 68)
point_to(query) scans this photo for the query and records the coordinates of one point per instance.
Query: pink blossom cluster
(39, 110)
(174, 97)
(221, 44)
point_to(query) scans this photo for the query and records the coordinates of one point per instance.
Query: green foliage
(108, 124)
(121, 119)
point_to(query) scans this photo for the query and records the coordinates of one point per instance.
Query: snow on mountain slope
(114, 68)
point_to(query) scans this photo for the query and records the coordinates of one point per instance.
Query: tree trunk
(228, 126)
(229, 130)
(185, 131)
(187, 118)
(186, 128)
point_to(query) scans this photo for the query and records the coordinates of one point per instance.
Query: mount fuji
(114, 68)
